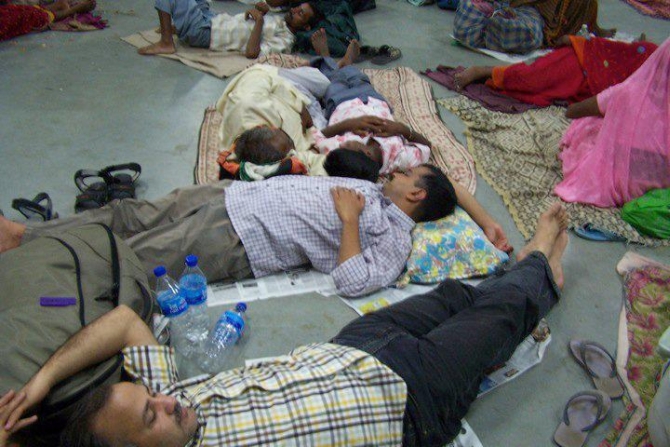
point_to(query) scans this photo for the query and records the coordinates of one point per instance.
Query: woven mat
(412, 103)
(644, 317)
(217, 63)
(517, 155)
(655, 8)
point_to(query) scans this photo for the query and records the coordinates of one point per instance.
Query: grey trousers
(190, 220)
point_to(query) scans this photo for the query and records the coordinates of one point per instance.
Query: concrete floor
(87, 100)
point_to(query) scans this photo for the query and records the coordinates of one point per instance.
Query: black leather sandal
(94, 193)
(121, 185)
(40, 208)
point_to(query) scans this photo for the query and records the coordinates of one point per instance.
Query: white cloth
(231, 33)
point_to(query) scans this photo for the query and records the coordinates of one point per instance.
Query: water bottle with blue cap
(222, 339)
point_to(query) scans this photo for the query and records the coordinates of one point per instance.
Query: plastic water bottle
(174, 306)
(193, 286)
(228, 330)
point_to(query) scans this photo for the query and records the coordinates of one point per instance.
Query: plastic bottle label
(172, 306)
(194, 295)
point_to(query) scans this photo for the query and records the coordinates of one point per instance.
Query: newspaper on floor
(505, 57)
(514, 58)
(294, 282)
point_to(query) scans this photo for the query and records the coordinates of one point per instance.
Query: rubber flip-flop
(599, 364)
(93, 187)
(587, 231)
(386, 54)
(40, 208)
(583, 412)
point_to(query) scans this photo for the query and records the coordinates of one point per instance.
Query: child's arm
(254, 43)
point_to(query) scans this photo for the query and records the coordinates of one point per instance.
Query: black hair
(257, 146)
(318, 15)
(78, 431)
(440, 198)
(347, 163)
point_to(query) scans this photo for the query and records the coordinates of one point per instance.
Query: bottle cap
(241, 307)
(159, 271)
(191, 260)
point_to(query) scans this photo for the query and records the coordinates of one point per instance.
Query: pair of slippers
(379, 56)
(40, 208)
(587, 409)
(98, 188)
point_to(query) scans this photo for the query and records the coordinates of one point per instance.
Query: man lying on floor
(406, 374)
(251, 33)
(355, 230)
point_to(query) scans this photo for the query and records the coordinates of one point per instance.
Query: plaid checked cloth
(318, 395)
(498, 27)
(290, 221)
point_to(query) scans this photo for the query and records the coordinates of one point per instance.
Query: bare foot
(549, 225)
(10, 234)
(556, 256)
(353, 50)
(470, 75)
(159, 47)
(320, 42)
(83, 7)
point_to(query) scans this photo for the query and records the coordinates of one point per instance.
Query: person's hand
(262, 7)
(11, 405)
(255, 15)
(349, 203)
(498, 238)
(364, 125)
(306, 119)
(392, 128)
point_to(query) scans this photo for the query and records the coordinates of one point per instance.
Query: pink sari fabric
(610, 161)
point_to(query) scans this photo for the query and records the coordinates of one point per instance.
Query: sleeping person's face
(370, 150)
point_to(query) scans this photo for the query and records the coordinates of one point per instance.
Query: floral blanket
(645, 316)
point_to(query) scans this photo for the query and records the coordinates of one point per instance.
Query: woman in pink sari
(621, 149)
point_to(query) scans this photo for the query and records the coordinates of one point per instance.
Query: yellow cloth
(259, 96)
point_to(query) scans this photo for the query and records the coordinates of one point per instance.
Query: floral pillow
(453, 247)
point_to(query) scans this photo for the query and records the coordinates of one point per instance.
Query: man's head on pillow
(303, 17)
(354, 160)
(263, 145)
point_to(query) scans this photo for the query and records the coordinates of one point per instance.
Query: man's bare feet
(550, 224)
(159, 47)
(10, 234)
(556, 257)
(320, 42)
(353, 50)
(472, 74)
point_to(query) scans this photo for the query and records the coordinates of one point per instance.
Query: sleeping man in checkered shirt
(356, 230)
(403, 375)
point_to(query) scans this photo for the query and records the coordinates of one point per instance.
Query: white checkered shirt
(290, 221)
(319, 395)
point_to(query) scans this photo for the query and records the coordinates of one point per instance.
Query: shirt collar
(394, 212)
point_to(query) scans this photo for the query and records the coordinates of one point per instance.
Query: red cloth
(572, 73)
(608, 63)
(558, 76)
(16, 20)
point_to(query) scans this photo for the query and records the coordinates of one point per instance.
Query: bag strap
(116, 272)
(77, 268)
(116, 269)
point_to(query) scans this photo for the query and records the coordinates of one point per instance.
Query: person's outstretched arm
(254, 43)
(94, 343)
(492, 229)
(588, 107)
